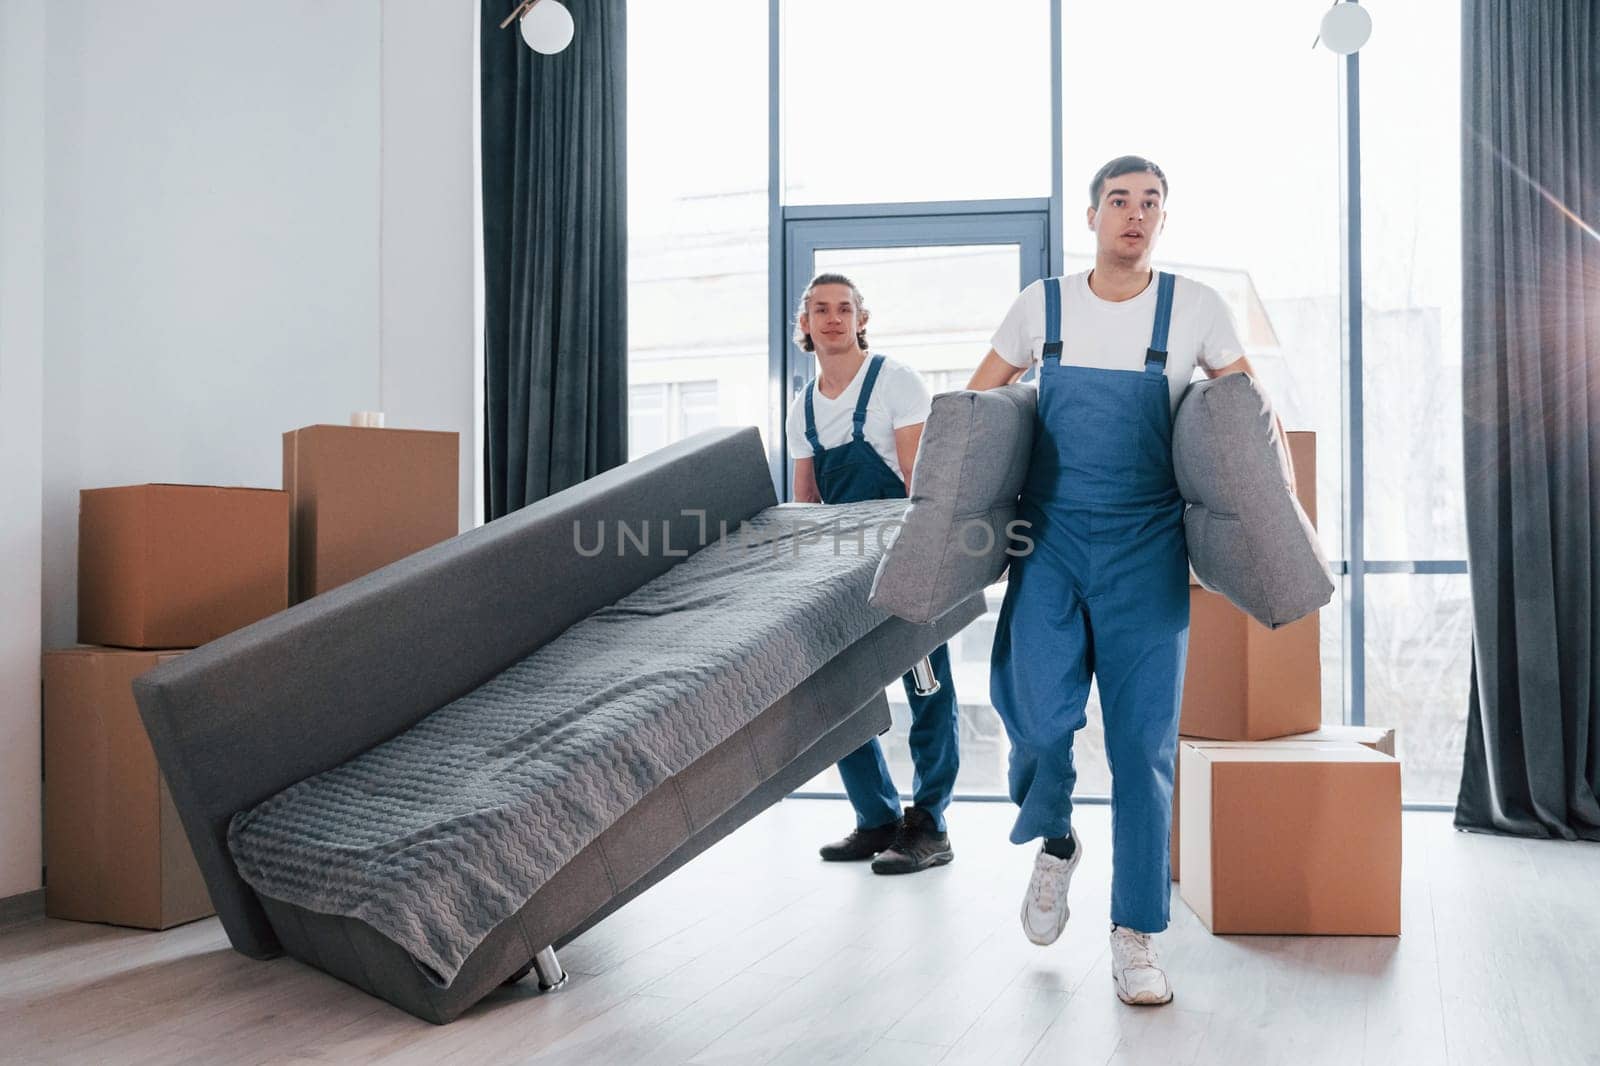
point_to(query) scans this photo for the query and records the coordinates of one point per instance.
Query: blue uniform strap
(858, 420)
(811, 420)
(1052, 319)
(1156, 357)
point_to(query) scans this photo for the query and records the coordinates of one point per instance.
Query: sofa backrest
(245, 716)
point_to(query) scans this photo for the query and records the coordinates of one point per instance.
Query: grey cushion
(1248, 537)
(970, 468)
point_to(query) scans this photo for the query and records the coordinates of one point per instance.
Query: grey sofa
(240, 720)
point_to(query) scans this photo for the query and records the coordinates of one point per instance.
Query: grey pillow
(954, 539)
(1248, 537)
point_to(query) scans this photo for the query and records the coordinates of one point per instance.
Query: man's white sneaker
(1136, 969)
(1044, 908)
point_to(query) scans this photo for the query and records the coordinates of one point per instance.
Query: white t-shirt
(1114, 336)
(899, 399)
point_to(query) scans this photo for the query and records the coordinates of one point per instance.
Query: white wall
(230, 253)
(212, 247)
(22, 24)
(256, 217)
(428, 335)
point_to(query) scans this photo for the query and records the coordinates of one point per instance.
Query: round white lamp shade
(547, 27)
(1345, 28)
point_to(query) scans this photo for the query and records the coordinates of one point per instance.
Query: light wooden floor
(758, 953)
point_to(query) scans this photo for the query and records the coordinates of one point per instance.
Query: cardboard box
(1291, 838)
(114, 848)
(360, 498)
(1244, 681)
(1374, 737)
(173, 566)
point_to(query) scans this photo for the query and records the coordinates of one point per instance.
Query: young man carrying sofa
(853, 432)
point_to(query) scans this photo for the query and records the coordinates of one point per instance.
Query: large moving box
(173, 566)
(1245, 681)
(1291, 837)
(362, 498)
(1375, 737)
(1378, 738)
(114, 849)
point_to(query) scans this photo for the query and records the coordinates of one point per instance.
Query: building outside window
(663, 412)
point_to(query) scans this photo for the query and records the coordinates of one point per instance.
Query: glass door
(937, 288)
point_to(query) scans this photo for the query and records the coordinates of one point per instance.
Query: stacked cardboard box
(174, 566)
(1245, 681)
(160, 568)
(1273, 810)
(115, 849)
(163, 568)
(1377, 739)
(361, 498)
(1290, 836)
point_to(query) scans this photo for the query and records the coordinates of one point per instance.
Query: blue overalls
(848, 473)
(1104, 592)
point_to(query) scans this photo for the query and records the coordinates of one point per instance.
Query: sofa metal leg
(923, 679)
(551, 975)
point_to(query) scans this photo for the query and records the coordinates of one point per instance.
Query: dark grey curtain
(554, 255)
(1531, 392)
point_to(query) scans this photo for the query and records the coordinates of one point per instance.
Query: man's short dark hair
(1123, 164)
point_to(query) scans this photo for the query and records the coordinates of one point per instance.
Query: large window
(1418, 624)
(911, 147)
(1418, 663)
(697, 220)
(662, 412)
(886, 101)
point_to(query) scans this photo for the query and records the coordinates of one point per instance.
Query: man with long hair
(853, 432)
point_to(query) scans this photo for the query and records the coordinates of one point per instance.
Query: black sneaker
(861, 844)
(918, 846)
